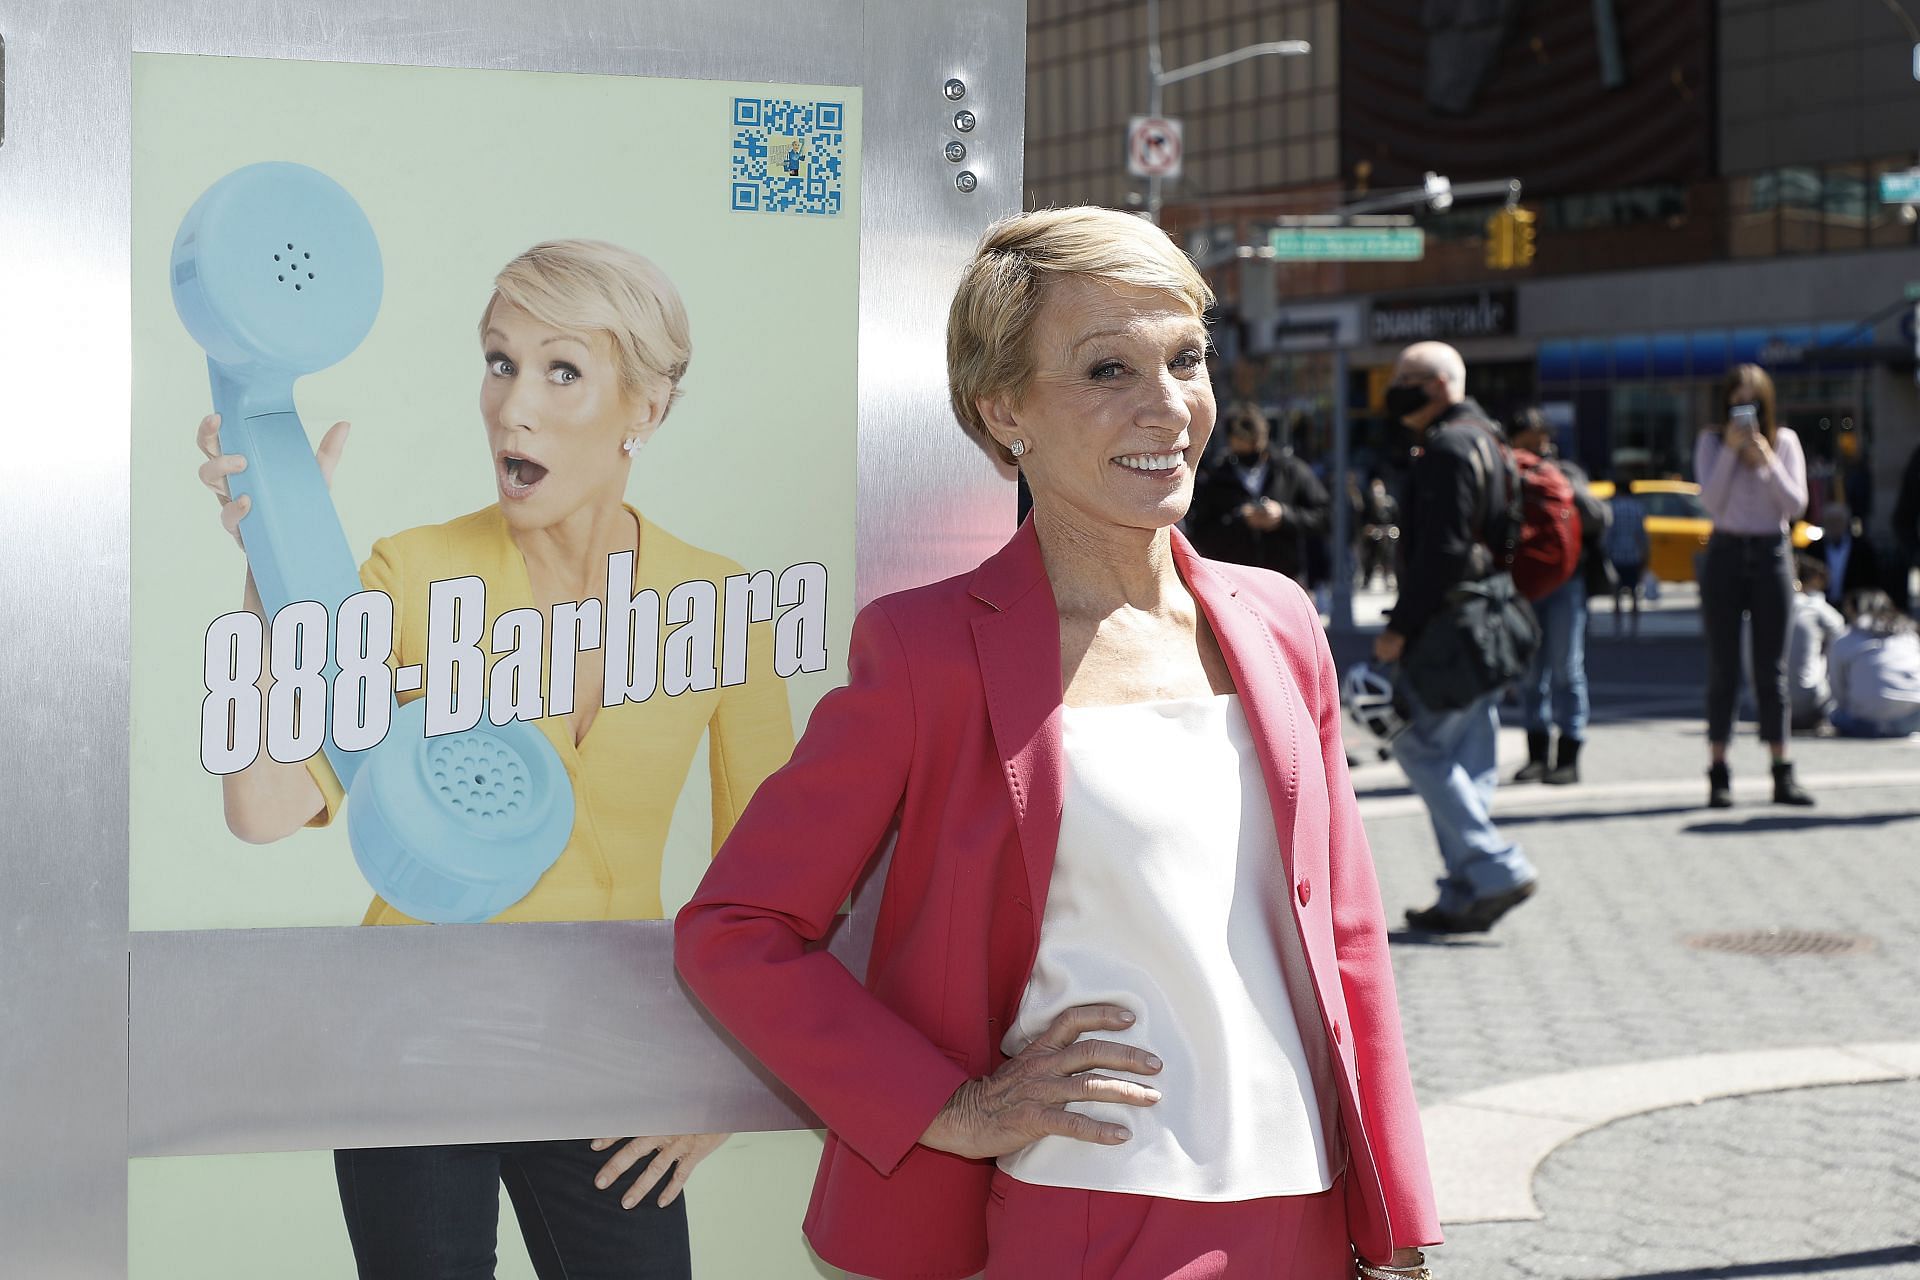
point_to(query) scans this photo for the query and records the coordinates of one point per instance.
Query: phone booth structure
(196, 1011)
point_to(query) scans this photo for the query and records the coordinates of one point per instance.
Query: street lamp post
(1159, 78)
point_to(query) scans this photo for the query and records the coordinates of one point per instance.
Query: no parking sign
(1153, 147)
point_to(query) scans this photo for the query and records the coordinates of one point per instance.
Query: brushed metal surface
(306, 1039)
(689, 39)
(65, 360)
(931, 502)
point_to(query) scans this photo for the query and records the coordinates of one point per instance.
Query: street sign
(1153, 147)
(1348, 244)
(1900, 188)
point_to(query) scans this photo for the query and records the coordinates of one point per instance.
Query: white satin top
(1169, 897)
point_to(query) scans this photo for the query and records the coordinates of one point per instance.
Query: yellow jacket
(629, 769)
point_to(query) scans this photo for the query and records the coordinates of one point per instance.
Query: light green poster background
(458, 172)
(250, 1217)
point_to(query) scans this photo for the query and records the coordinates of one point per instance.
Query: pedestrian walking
(1554, 693)
(1753, 480)
(1379, 534)
(1448, 753)
(1260, 504)
(1906, 534)
(1628, 548)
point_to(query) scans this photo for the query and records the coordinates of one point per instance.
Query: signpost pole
(1153, 100)
(1340, 607)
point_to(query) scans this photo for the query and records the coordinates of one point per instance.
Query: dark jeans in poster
(432, 1213)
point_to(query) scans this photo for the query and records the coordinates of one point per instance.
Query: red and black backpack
(1532, 523)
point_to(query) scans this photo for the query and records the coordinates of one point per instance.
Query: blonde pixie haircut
(990, 325)
(591, 286)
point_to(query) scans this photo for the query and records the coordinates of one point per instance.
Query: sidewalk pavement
(1596, 972)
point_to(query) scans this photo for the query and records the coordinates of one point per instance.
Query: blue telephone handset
(276, 273)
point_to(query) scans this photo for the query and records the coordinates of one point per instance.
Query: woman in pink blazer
(1129, 1011)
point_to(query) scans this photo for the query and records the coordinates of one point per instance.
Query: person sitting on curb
(1814, 627)
(1875, 669)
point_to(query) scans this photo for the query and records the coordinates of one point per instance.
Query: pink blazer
(948, 734)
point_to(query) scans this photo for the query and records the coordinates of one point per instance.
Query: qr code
(788, 157)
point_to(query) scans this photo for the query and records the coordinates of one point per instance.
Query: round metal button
(956, 151)
(966, 180)
(955, 89)
(963, 121)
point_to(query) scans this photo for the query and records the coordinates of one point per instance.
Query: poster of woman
(493, 480)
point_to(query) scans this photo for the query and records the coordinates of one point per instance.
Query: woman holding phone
(1753, 480)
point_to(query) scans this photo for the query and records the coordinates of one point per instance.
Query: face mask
(1403, 401)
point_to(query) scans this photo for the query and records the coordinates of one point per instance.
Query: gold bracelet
(1371, 1272)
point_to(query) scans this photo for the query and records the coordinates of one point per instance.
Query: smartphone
(1744, 415)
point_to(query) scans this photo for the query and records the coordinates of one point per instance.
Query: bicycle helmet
(1367, 694)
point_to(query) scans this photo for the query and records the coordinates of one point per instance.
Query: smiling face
(1119, 407)
(557, 415)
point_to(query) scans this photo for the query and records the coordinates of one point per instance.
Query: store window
(1753, 231)
(1815, 209)
(1652, 429)
(1887, 224)
(1844, 206)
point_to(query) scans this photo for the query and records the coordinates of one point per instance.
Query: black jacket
(1906, 509)
(1443, 516)
(1221, 532)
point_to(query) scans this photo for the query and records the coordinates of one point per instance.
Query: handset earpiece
(276, 273)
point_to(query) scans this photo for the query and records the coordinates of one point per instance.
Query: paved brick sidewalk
(1595, 971)
(1810, 1182)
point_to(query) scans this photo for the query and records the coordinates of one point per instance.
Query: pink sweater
(1754, 501)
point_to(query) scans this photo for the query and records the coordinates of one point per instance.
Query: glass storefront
(1635, 402)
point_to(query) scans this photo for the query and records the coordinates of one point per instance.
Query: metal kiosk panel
(256, 1040)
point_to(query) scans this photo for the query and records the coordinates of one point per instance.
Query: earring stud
(1018, 448)
(631, 447)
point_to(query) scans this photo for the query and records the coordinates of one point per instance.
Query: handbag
(1482, 641)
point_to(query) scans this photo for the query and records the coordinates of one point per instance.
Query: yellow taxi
(1678, 525)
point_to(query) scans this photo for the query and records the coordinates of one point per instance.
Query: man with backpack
(1460, 500)
(1554, 692)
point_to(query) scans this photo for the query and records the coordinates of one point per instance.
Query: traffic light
(1499, 242)
(1523, 233)
(1510, 239)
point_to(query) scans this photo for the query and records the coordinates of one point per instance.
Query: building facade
(1704, 176)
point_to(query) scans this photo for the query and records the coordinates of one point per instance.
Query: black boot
(1536, 767)
(1719, 787)
(1785, 789)
(1566, 769)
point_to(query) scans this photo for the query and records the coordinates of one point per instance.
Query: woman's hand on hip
(218, 467)
(681, 1151)
(1026, 1099)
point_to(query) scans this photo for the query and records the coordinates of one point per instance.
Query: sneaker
(1435, 920)
(1486, 912)
(1477, 916)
